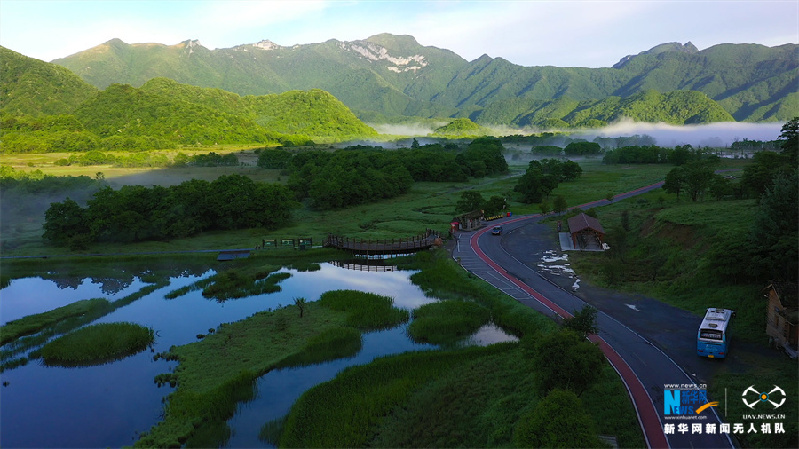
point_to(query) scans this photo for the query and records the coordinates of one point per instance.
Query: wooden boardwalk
(376, 247)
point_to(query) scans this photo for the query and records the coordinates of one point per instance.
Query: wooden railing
(382, 246)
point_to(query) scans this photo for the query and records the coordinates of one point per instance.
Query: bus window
(713, 338)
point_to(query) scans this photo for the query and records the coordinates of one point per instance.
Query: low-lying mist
(721, 134)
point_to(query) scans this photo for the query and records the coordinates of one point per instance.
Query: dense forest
(325, 180)
(135, 213)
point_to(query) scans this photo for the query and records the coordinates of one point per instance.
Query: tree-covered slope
(165, 114)
(122, 110)
(387, 76)
(678, 107)
(33, 87)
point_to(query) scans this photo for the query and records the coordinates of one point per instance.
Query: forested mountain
(386, 76)
(45, 107)
(32, 87)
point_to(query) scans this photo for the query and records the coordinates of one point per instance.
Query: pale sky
(566, 33)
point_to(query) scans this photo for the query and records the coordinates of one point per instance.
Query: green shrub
(559, 420)
(565, 360)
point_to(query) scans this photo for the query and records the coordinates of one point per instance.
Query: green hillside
(44, 114)
(33, 87)
(122, 110)
(314, 113)
(386, 77)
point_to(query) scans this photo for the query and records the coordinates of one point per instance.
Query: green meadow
(664, 248)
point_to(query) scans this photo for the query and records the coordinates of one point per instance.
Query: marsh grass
(331, 344)
(97, 344)
(220, 370)
(446, 323)
(466, 397)
(35, 323)
(94, 310)
(231, 284)
(345, 411)
(366, 311)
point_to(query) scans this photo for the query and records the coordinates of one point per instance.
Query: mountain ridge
(387, 77)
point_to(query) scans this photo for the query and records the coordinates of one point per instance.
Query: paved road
(625, 335)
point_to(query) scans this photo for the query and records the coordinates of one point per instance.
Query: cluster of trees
(206, 160)
(697, 177)
(347, 177)
(472, 200)
(769, 250)
(149, 159)
(652, 154)
(567, 365)
(582, 148)
(542, 177)
(356, 175)
(135, 213)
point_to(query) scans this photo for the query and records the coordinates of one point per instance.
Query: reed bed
(365, 310)
(465, 397)
(35, 323)
(219, 371)
(331, 344)
(447, 322)
(97, 344)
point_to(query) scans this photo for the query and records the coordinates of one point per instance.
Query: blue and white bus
(713, 339)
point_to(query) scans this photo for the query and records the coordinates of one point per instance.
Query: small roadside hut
(586, 232)
(782, 323)
(470, 220)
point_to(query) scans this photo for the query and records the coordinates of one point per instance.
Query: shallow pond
(108, 405)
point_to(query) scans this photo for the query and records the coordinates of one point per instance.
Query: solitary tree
(300, 303)
(790, 139)
(470, 200)
(583, 321)
(559, 205)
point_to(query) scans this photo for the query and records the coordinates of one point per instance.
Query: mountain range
(45, 107)
(387, 78)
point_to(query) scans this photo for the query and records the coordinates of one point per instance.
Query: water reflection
(279, 389)
(28, 296)
(108, 405)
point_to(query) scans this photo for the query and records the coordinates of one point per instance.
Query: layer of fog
(721, 134)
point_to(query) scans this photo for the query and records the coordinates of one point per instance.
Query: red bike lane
(645, 409)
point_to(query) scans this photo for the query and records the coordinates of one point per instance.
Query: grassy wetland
(489, 393)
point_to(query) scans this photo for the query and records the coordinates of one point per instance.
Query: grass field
(427, 205)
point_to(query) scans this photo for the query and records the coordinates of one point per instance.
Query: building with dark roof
(586, 232)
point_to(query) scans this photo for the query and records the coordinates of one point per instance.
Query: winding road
(650, 344)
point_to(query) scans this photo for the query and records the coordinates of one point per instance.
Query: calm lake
(108, 405)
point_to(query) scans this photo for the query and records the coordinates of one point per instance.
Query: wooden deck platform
(385, 246)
